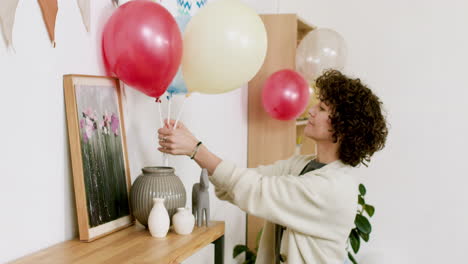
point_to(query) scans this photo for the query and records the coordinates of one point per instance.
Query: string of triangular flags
(7, 18)
(49, 10)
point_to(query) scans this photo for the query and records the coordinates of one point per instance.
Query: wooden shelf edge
(122, 245)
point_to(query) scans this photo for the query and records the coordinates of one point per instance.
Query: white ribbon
(85, 13)
(7, 18)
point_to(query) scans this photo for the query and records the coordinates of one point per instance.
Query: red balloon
(285, 95)
(142, 46)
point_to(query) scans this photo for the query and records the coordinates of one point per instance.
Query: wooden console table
(133, 245)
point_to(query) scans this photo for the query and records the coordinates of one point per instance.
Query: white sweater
(317, 208)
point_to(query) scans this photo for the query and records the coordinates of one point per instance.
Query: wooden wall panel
(269, 139)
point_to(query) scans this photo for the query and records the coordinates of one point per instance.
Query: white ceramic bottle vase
(158, 220)
(183, 221)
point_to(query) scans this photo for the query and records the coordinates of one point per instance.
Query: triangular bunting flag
(85, 13)
(49, 12)
(7, 18)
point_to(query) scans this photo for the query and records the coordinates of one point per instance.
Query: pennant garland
(49, 12)
(190, 7)
(85, 13)
(184, 6)
(7, 18)
(201, 3)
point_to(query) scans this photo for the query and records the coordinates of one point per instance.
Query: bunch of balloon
(142, 46)
(182, 10)
(225, 45)
(285, 95)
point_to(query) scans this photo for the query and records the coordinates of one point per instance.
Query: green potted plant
(362, 228)
(250, 256)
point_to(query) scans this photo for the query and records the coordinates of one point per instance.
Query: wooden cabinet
(269, 139)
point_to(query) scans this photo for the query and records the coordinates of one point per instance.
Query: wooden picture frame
(98, 151)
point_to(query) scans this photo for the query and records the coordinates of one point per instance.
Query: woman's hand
(178, 141)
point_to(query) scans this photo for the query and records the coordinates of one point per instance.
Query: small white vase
(158, 220)
(183, 221)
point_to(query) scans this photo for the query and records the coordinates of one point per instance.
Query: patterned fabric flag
(184, 6)
(185, 10)
(49, 12)
(7, 18)
(85, 13)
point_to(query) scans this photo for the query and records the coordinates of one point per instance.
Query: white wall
(412, 53)
(36, 191)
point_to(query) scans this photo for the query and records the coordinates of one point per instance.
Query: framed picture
(98, 151)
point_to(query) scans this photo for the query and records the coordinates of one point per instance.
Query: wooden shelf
(303, 27)
(132, 245)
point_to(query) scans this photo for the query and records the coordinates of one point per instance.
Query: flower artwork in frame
(98, 153)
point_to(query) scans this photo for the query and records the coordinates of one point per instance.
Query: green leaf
(355, 240)
(249, 261)
(364, 236)
(257, 241)
(362, 224)
(250, 256)
(369, 209)
(362, 189)
(238, 249)
(361, 200)
(352, 258)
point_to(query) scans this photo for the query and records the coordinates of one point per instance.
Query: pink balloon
(142, 46)
(285, 95)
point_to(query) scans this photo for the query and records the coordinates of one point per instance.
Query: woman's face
(319, 125)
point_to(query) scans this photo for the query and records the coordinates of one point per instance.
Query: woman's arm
(180, 141)
(311, 205)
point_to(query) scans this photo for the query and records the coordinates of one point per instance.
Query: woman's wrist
(195, 150)
(206, 159)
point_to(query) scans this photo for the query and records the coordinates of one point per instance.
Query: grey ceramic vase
(156, 182)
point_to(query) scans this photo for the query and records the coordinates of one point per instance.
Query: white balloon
(224, 47)
(321, 49)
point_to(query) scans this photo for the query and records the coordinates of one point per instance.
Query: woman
(312, 197)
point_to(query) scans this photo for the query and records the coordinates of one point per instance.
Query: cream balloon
(225, 45)
(321, 49)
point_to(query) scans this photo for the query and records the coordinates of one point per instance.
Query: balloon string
(158, 101)
(165, 158)
(168, 110)
(180, 113)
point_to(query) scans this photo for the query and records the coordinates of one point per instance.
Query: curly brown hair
(356, 117)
